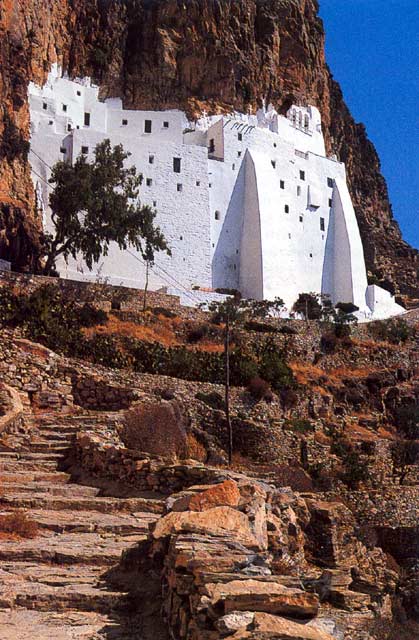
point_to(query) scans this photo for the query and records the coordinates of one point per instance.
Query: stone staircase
(54, 585)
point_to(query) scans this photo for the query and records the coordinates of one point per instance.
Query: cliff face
(172, 53)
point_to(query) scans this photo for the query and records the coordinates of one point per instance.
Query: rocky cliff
(172, 53)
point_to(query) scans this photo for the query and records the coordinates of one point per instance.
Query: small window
(330, 182)
(179, 187)
(165, 125)
(69, 127)
(150, 159)
(302, 175)
(64, 107)
(209, 185)
(239, 153)
(282, 184)
(233, 166)
(51, 122)
(289, 236)
(273, 163)
(237, 252)
(44, 106)
(176, 165)
(275, 145)
(287, 208)
(78, 93)
(87, 119)
(124, 123)
(330, 202)
(301, 218)
(154, 203)
(311, 255)
(149, 182)
(298, 190)
(211, 147)
(85, 150)
(217, 215)
(198, 183)
(321, 224)
(235, 267)
(147, 126)
(180, 237)
(240, 136)
(63, 150)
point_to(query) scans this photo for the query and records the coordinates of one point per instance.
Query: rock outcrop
(215, 54)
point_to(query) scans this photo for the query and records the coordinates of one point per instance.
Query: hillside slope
(168, 53)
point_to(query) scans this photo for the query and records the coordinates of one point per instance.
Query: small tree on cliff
(94, 204)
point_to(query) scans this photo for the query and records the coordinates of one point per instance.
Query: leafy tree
(407, 420)
(264, 308)
(313, 306)
(94, 204)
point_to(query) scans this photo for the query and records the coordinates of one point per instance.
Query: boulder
(218, 495)
(259, 595)
(274, 627)
(234, 621)
(219, 521)
(158, 428)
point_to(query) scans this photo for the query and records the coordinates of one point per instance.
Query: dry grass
(161, 332)
(306, 373)
(17, 525)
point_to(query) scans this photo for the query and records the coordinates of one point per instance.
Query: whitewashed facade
(248, 202)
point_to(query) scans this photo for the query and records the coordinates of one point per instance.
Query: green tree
(314, 306)
(94, 204)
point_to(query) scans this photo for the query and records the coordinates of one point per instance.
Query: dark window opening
(79, 93)
(165, 124)
(298, 191)
(69, 127)
(44, 106)
(211, 147)
(321, 224)
(302, 175)
(273, 163)
(64, 107)
(282, 184)
(154, 203)
(87, 119)
(217, 215)
(330, 202)
(63, 150)
(198, 183)
(151, 159)
(179, 187)
(239, 154)
(240, 136)
(301, 218)
(85, 150)
(147, 126)
(287, 208)
(330, 182)
(149, 182)
(176, 165)
(311, 255)
(124, 123)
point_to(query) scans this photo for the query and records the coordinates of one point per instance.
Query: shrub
(197, 334)
(342, 330)
(90, 316)
(299, 425)
(395, 331)
(328, 343)
(213, 400)
(407, 420)
(287, 330)
(260, 327)
(242, 368)
(18, 524)
(355, 469)
(162, 311)
(259, 389)
(404, 453)
(104, 350)
(275, 370)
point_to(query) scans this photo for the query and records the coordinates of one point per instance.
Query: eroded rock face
(195, 54)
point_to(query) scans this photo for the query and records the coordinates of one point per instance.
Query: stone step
(50, 446)
(69, 548)
(24, 624)
(12, 465)
(17, 478)
(92, 522)
(59, 489)
(56, 435)
(79, 597)
(101, 504)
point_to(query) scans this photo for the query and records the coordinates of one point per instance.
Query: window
(149, 182)
(64, 107)
(176, 165)
(321, 224)
(69, 127)
(51, 122)
(302, 175)
(287, 208)
(273, 163)
(211, 147)
(217, 215)
(165, 125)
(234, 267)
(239, 154)
(330, 182)
(180, 237)
(282, 184)
(311, 255)
(275, 145)
(147, 126)
(306, 122)
(198, 183)
(150, 159)
(87, 119)
(44, 106)
(124, 123)
(237, 252)
(209, 185)
(78, 93)
(233, 166)
(298, 190)
(301, 218)
(85, 150)
(154, 203)
(179, 187)
(240, 136)
(63, 150)
(330, 202)
(289, 236)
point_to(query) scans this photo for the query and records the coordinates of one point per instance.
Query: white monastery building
(247, 202)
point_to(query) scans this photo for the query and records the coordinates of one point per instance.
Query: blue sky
(372, 48)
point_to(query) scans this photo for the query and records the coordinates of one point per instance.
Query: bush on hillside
(395, 331)
(259, 389)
